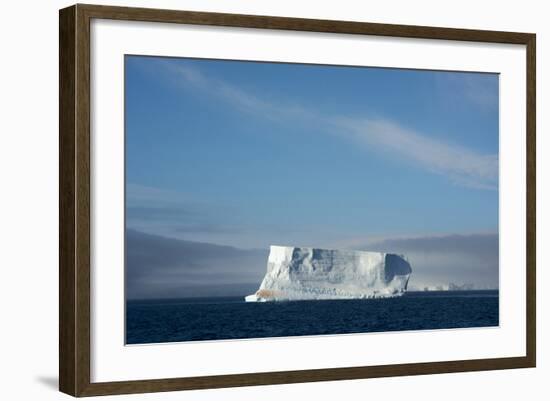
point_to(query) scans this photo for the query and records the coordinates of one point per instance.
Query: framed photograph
(250, 200)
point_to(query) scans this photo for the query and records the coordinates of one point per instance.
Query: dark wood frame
(74, 200)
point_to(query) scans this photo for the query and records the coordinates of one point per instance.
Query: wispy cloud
(172, 213)
(463, 166)
(245, 101)
(475, 89)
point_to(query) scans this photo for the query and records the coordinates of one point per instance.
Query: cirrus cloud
(463, 166)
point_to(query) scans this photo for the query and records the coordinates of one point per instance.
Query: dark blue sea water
(192, 319)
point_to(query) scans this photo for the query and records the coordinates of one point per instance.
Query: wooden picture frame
(74, 200)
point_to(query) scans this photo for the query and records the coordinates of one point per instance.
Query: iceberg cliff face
(309, 273)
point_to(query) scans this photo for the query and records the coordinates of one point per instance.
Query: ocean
(222, 318)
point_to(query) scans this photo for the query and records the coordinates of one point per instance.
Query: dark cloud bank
(452, 259)
(161, 267)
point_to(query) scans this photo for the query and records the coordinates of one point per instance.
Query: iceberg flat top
(300, 273)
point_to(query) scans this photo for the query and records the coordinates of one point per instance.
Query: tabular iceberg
(295, 273)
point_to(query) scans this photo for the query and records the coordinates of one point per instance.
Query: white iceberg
(296, 273)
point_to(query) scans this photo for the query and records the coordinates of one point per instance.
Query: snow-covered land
(309, 273)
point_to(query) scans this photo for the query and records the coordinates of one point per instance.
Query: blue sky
(248, 154)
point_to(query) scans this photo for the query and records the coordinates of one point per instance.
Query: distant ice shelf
(297, 273)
